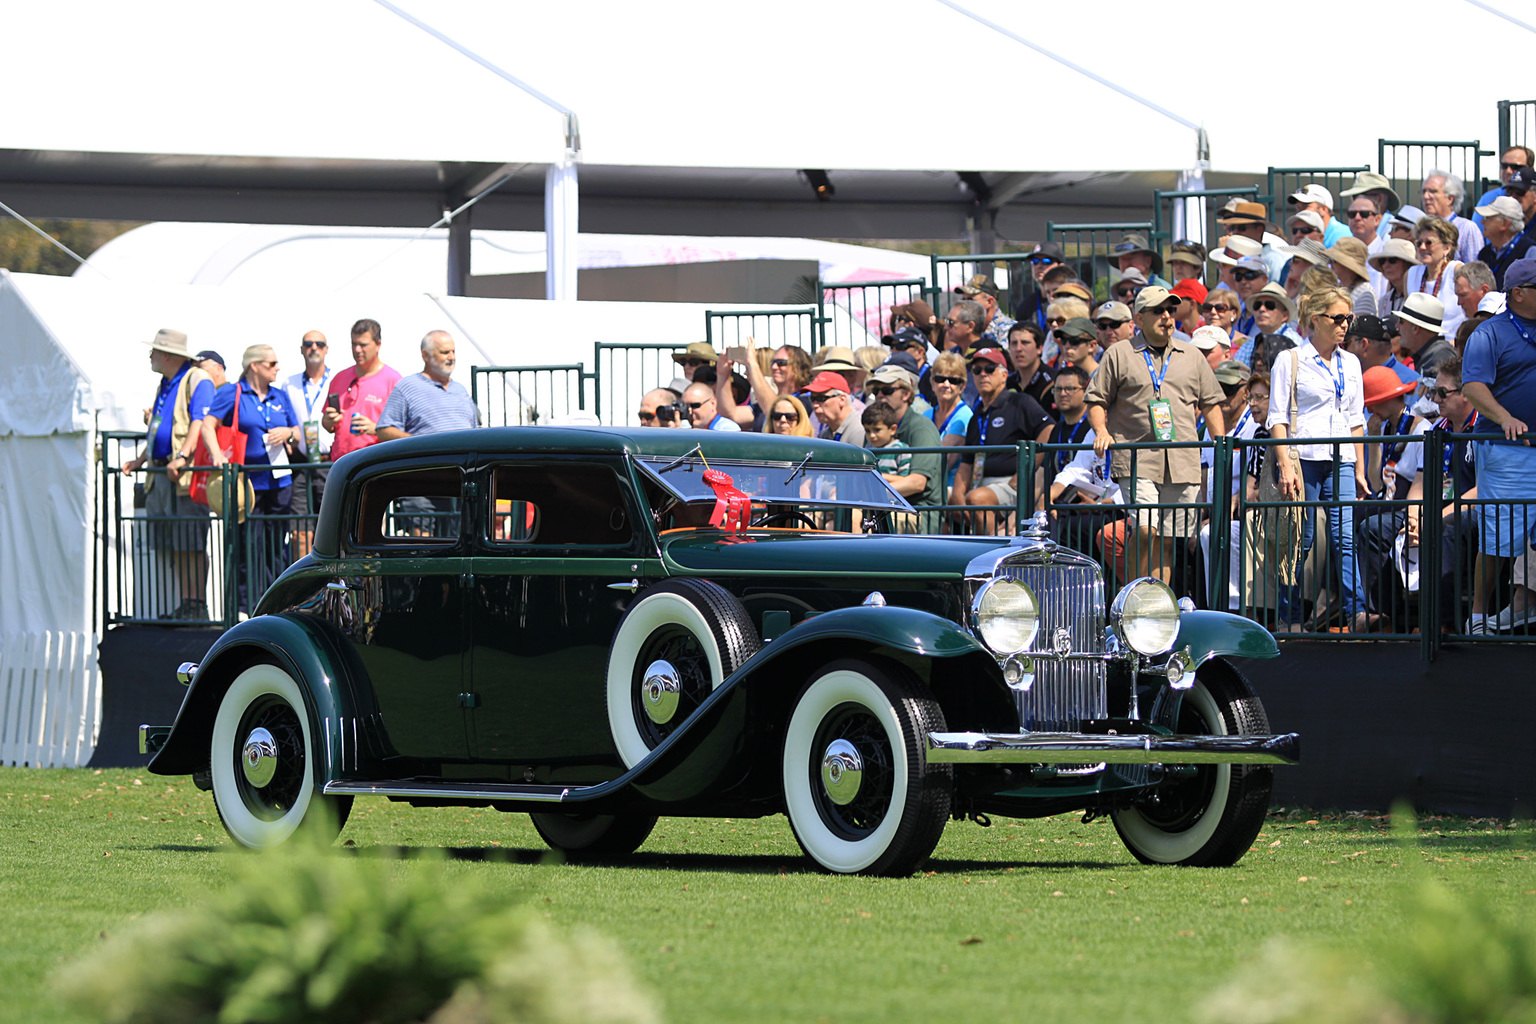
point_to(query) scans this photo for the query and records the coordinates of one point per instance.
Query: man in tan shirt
(1151, 389)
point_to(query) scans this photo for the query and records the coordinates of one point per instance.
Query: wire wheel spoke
(278, 796)
(679, 648)
(867, 810)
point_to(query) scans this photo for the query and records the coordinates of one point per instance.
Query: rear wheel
(858, 788)
(263, 762)
(593, 837)
(1210, 816)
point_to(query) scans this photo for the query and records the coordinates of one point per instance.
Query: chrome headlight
(1146, 614)
(1007, 616)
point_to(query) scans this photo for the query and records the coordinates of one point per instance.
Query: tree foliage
(23, 251)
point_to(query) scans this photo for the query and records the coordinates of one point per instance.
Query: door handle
(631, 586)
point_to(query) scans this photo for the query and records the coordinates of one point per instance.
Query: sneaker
(1478, 625)
(1511, 619)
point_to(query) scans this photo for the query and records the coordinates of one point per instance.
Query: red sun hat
(1382, 383)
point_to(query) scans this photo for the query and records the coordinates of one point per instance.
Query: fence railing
(1008, 270)
(524, 396)
(1517, 124)
(1192, 213)
(865, 308)
(1280, 182)
(769, 328)
(1086, 249)
(1405, 162)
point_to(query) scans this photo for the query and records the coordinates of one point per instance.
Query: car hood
(782, 552)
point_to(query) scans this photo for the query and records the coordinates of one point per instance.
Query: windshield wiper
(690, 453)
(800, 468)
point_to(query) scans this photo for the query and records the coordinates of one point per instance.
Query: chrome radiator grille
(1071, 596)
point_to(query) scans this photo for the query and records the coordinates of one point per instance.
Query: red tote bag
(231, 443)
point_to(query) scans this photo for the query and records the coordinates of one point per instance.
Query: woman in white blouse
(1330, 403)
(1435, 274)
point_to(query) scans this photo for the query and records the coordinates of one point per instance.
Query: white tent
(79, 369)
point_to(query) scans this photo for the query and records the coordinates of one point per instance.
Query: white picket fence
(50, 699)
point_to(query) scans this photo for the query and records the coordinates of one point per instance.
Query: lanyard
(1338, 382)
(1157, 378)
(1523, 332)
(1389, 451)
(1242, 422)
(1076, 437)
(309, 403)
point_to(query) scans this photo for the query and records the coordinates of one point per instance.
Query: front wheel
(263, 762)
(1209, 817)
(858, 788)
(593, 837)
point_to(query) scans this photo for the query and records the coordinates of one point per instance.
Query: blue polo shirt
(164, 412)
(257, 416)
(1501, 353)
(420, 405)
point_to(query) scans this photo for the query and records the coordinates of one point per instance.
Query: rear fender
(296, 645)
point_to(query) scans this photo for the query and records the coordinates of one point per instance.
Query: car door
(561, 552)
(402, 589)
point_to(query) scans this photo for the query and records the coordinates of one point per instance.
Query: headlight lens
(1147, 615)
(1007, 616)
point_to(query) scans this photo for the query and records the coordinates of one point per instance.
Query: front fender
(299, 647)
(1208, 634)
(904, 629)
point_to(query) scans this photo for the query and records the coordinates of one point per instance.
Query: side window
(558, 505)
(410, 509)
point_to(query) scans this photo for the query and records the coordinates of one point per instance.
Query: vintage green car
(543, 619)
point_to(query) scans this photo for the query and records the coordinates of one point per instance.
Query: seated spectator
(1306, 256)
(1347, 259)
(1474, 283)
(908, 348)
(1371, 343)
(880, 436)
(1079, 484)
(839, 359)
(833, 404)
(703, 412)
(951, 413)
(1404, 221)
(653, 402)
(963, 325)
(1079, 348)
(788, 416)
(1113, 321)
(1503, 227)
(919, 314)
(981, 290)
(1044, 258)
(896, 387)
(1237, 415)
(1388, 423)
(1001, 417)
(1222, 308)
(1024, 349)
(1422, 333)
(1126, 288)
(1273, 313)
(1063, 307)
(908, 361)
(1443, 194)
(700, 353)
(1186, 261)
(1316, 200)
(1236, 247)
(1396, 258)
(1511, 162)
(1212, 343)
(1191, 293)
(1435, 274)
(1132, 253)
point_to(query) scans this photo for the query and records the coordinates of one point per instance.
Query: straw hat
(1236, 248)
(1274, 291)
(1351, 253)
(1423, 310)
(1310, 250)
(1399, 247)
(172, 342)
(1370, 181)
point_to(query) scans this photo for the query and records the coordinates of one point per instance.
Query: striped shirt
(420, 405)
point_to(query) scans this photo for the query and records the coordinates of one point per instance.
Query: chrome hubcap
(842, 772)
(660, 689)
(259, 757)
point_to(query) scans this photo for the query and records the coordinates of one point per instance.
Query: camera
(669, 414)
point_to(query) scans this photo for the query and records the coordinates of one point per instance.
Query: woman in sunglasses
(1324, 384)
(788, 416)
(1436, 241)
(1396, 258)
(950, 414)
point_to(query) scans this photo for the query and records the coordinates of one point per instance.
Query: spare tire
(678, 641)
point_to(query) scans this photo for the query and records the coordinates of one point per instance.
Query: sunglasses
(699, 405)
(983, 369)
(1427, 243)
(825, 397)
(1247, 275)
(695, 362)
(1441, 394)
(786, 417)
(1266, 304)
(1055, 321)
(779, 362)
(885, 392)
(1509, 167)
(1042, 261)
(1339, 319)
(1361, 213)
(265, 362)
(1128, 291)
(647, 417)
(1305, 229)
(1216, 307)
(1106, 325)
(941, 379)
(312, 344)
(1393, 260)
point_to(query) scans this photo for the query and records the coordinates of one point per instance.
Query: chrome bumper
(1081, 748)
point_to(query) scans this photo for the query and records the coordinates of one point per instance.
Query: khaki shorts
(1168, 522)
(1007, 496)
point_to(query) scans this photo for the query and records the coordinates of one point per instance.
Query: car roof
(638, 441)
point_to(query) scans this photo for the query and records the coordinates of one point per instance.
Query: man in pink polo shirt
(358, 393)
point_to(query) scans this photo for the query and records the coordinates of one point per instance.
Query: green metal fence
(1406, 162)
(625, 372)
(1517, 124)
(764, 328)
(1086, 248)
(1280, 182)
(522, 396)
(1008, 270)
(857, 313)
(1201, 208)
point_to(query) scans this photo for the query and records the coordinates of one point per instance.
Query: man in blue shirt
(175, 422)
(1320, 201)
(1510, 161)
(1499, 379)
(429, 402)
(699, 400)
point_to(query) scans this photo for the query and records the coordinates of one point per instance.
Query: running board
(1081, 748)
(452, 790)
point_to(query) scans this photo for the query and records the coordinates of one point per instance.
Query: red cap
(1190, 289)
(991, 355)
(826, 381)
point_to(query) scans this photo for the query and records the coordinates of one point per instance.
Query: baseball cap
(1113, 311)
(1050, 250)
(991, 355)
(1078, 327)
(1521, 180)
(1503, 206)
(207, 354)
(1307, 217)
(826, 381)
(906, 337)
(1154, 296)
(978, 284)
(1312, 193)
(1132, 275)
(904, 361)
(1230, 371)
(1521, 274)
(891, 374)
(1208, 337)
(1371, 328)
(1189, 288)
(1493, 302)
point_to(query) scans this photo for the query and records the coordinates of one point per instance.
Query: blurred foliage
(23, 251)
(309, 935)
(1458, 959)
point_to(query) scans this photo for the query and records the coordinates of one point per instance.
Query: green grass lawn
(1047, 920)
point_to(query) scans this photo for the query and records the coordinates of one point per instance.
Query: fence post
(1221, 524)
(1504, 132)
(229, 475)
(1025, 502)
(1431, 530)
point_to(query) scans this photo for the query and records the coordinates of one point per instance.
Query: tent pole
(458, 252)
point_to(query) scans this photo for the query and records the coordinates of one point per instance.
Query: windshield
(804, 483)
